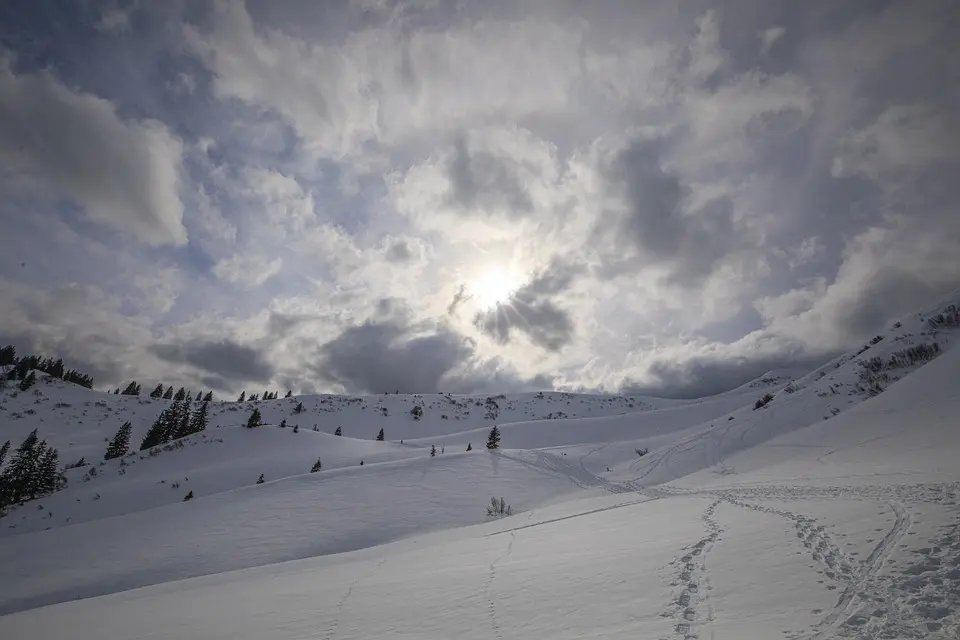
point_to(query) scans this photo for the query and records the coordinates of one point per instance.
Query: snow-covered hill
(830, 508)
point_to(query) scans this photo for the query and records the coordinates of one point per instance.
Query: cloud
(125, 174)
(769, 36)
(531, 311)
(225, 359)
(247, 270)
(388, 353)
(651, 219)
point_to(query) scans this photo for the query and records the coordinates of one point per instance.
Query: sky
(363, 196)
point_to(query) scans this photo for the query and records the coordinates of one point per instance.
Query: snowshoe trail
(691, 611)
(331, 631)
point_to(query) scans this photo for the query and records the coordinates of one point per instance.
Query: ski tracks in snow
(921, 600)
(692, 611)
(331, 631)
(491, 576)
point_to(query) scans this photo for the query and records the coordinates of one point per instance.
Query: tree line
(22, 367)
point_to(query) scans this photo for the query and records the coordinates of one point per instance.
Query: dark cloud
(530, 310)
(481, 180)
(388, 353)
(459, 298)
(399, 251)
(654, 223)
(700, 377)
(224, 358)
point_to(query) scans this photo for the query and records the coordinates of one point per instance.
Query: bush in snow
(642, 452)
(433, 451)
(762, 402)
(499, 508)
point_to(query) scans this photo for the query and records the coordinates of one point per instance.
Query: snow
(831, 512)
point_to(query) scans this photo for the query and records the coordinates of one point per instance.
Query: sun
(492, 287)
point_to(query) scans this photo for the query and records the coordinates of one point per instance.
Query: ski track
(692, 610)
(491, 576)
(923, 601)
(332, 630)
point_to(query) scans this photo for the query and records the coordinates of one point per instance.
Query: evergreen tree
(338, 432)
(296, 428)
(120, 443)
(157, 392)
(180, 418)
(316, 466)
(254, 397)
(8, 355)
(137, 391)
(199, 396)
(298, 408)
(4, 450)
(266, 395)
(28, 381)
(469, 447)
(116, 391)
(208, 397)
(189, 496)
(131, 389)
(161, 430)
(243, 395)
(283, 423)
(168, 394)
(200, 418)
(493, 440)
(289, 393)
(380, 436)
(433, 451)
(33, 471)
(260, 480)
(254, 420)
(180, 395)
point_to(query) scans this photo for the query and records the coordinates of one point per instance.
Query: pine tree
(283, 423)
(338, 432)
(116, 391)
(189, 496)
(296, 428)
(208, 397)
(199, 396)
(28, 381)
(16, 479)
(260, 480)
(120, 443)
(160, 431)
(240, 398)
(200, 418)
(168, 394)
(180, 395)
(130, 389)
(157, 392)
(48, 477)
(289, 393)
(4, 450)
(433, 451)
(266, 395)
(298, 408)
(136, 391)
(316, 466)
(254, 397)
(469, 447)
(180, 418)
(8, 355)
(493, 440)
(380, 436)
(254, 420)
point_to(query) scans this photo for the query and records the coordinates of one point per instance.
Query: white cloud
(247, 270)
(123, 173)
(768, 37)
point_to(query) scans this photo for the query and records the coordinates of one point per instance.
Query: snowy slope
(832, 511)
